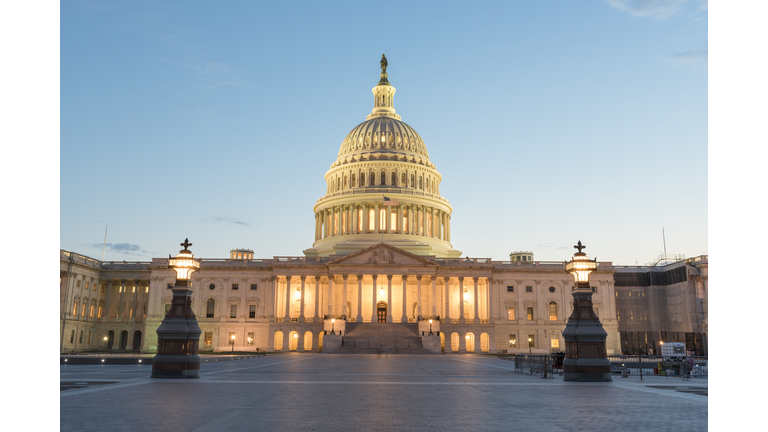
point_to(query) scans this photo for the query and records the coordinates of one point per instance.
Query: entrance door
(381, 312)
(137, 341)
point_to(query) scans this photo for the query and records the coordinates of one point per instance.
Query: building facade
(382, 253)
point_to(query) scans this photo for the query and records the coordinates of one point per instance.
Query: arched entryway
(293, 341)
(110, 339)
(381, 311)
(137, 341)
(470, 340)
(308, 341)
(454, 342)
(123, 339)
(442, 341)
(485, 342)
(278, 341)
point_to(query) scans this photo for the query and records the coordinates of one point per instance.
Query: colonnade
(382, 290)
(376, 218)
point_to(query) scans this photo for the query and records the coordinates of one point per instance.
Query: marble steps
(381, 338)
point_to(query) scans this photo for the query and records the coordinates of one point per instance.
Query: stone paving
(315, 392)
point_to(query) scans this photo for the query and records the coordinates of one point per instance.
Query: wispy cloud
(690, 57)
(551, 245)
(657, 9)
(234, 221)
(216, 74)
(122, 248)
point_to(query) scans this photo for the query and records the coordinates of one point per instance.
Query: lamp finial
(186, 243)
(579, 246)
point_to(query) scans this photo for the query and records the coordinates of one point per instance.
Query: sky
(550, 122)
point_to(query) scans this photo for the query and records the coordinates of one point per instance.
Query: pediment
(384, 255)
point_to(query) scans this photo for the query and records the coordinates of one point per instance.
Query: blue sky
(551, 122)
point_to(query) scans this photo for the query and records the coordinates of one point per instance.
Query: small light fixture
(298, 294)
(102, 360)
(295, 335)
(65, 359)
(184, 263)
(139, 361)
(467, 336)
(580, 266)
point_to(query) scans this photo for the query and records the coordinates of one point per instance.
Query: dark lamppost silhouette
(586, 358)
(179, 334)
(430, 327)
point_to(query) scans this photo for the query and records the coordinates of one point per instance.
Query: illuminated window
(102, 288)
(532, 341)
(146, 289)
(359, 220)
(82, 312)
(429, 224)
(78, 285)
(208, 340)
(251, 337)
(233, 311)
(335, 223)
(405, 220)
(554, 340)
(511, 313)
(552, 311)
(371, 220)
(252, 311)
(382, 219)
(74, 309)
(393, 220)
(90, 314)
(99, 311)
(209, 308)
(512, 340)
(529, 313)
(133, 289)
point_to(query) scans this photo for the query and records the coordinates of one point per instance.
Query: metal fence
(550, 365)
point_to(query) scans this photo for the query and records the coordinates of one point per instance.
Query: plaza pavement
(326, 392)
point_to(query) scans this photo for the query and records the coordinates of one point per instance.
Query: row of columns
(421, 220)
(374, 298)
(123, 304)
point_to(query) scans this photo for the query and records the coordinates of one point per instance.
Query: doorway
(136, 341)
(381, 312)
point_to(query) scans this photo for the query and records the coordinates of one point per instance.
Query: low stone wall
(331, 343)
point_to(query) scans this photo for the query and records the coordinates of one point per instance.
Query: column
(433, 225)
(272, 280)
(120, 304)
(365, 217)
(404, 318)
(447, 316)
(488, 298)
(287, 317)
(461, 301)
(359, 317)
(135, 300)
(448, 231)
(400, 219)
(433, 301)
(424, 221)
(344, 297)
(388, 222)
(302, 300)
(376, 217)
(373, 300)
(330, 295)
(334, 226)
(354, 219)
(106, 303)
(316, 219)
(462, 343)
(317, 299)
(476, 305)
(418, 298)
(411, 219)
(389, 294)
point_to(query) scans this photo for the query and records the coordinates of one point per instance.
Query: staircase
(381, 338)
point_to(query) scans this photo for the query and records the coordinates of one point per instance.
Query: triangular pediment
(384, 255)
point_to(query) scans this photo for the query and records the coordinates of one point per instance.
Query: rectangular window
(359, 220)
(552, 312)
(529, 313)
(78, 285)
(231, 338)
(89, 337)
(594, 290)
(531, 341)
(252, 311)
(235, 286)
(393, 220)
(254, 286)
(146, 289)
(72, 337)
(233, 311)
(510, 289)
(80, 339)
(335, 224)
(554, 341)
(99, 311)
(382, 219)
(133, 290)
(86, 285)
(529, 289)
(511, 313)
(512, 340)
(167, 308)
(429, 224)
(251, 337)
(102, 288)
(130, 314)
(405, 221)
(91, 312)
(82, 313)
(208, 339)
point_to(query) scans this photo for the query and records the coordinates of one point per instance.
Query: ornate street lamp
(179, 334)
(333, 321)
(585, 353)
(430, 326)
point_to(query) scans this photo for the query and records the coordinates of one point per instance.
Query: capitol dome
(382, 188)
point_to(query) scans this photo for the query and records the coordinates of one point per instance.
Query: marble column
(461, 300)
(106, 303)
(330, 296)
(121, 304)
(366, 214)
(302, 300)
(373, 300)
(418, 298)
(344, 297)
(488, 297)
(287, 317)
(476, 304)
(354, 219)
(388, 220)
(359, 317)
(433, 301)
(447, 316)
(333, 220)
(389, 298)
(400, 219)
(376, 218)
(317, 299)
(404, 318)
(424, 221)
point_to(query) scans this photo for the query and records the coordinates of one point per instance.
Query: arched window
(338, 183)
(362, 179)
(74, 309)
(353, 180)
(421, 183)
(93, 306)
(278, 341)
(209, 307)
(383, 178)
(345, 182)
(413, 183)
(394, 179)
(552, 311)
(402, 179)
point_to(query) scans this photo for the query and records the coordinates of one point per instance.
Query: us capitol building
(382, 272)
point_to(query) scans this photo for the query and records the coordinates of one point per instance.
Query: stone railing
(358, 191)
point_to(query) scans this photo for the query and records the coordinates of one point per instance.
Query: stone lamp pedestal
(177, 338)
(585, 353)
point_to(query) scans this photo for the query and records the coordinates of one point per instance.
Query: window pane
(208, 338)
(530, 313)
(529, 289)
(233, 311)
(512, 341)
(511, 314)
(554, 341)
(250, 338)
(252, 312)
(552, 312)
(531, 341)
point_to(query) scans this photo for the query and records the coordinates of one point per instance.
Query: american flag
(390, 202)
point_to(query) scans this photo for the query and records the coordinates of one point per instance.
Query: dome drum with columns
(380, 158)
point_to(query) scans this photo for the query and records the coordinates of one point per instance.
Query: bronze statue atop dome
(384, 64)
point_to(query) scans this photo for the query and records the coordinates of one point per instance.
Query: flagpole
(105, 242)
